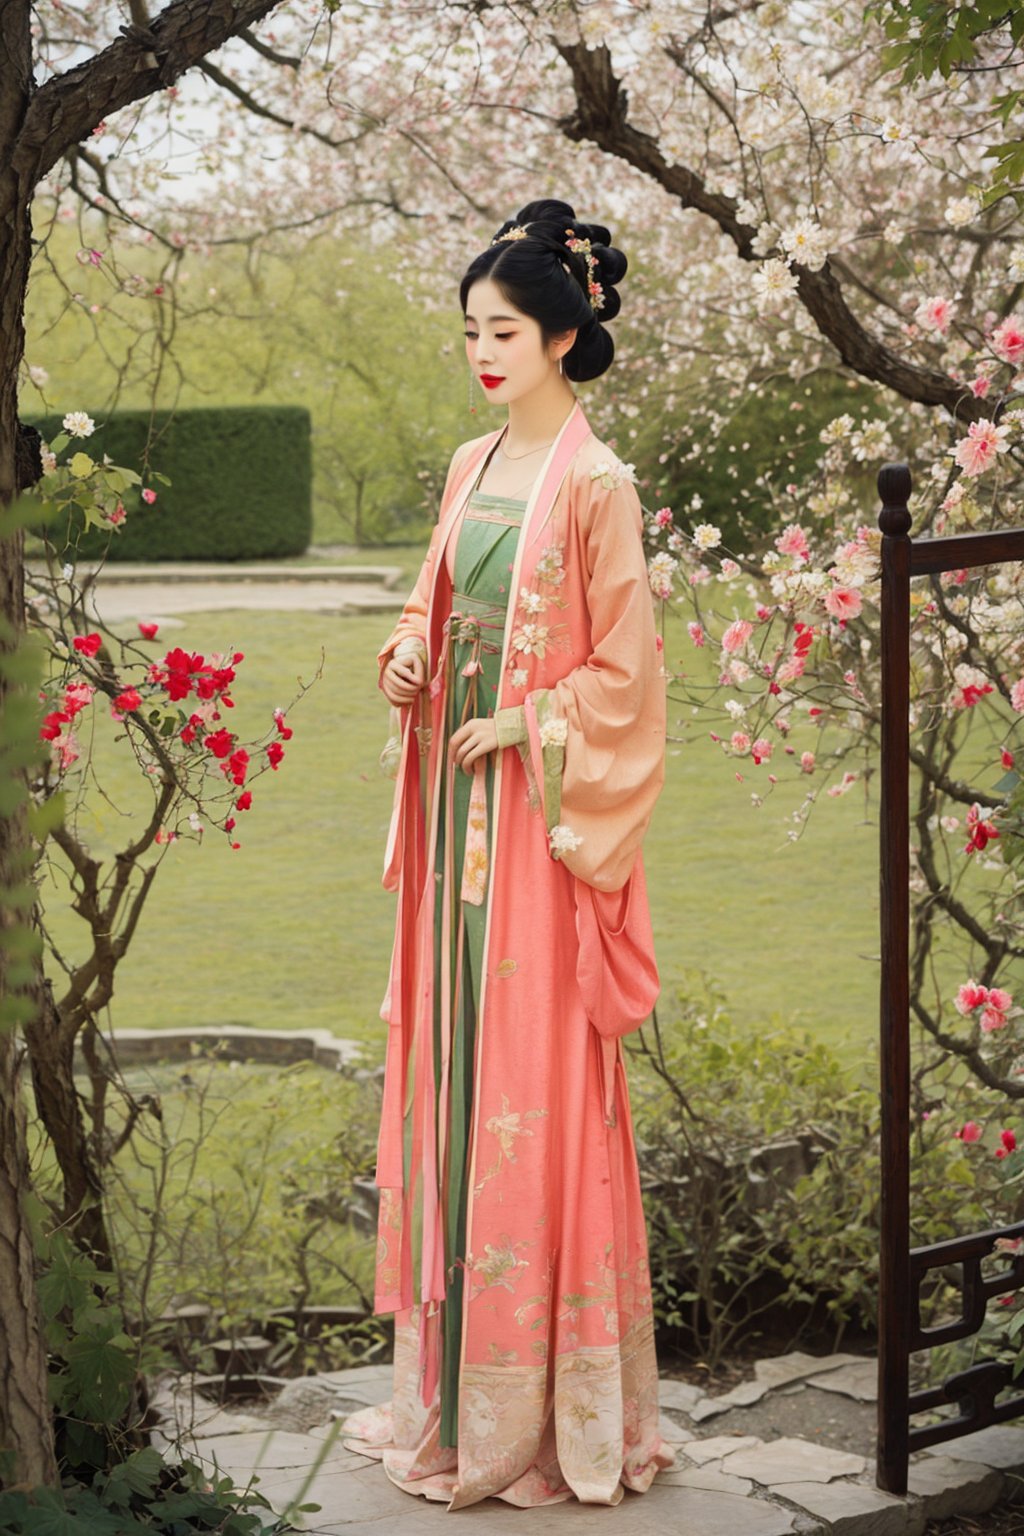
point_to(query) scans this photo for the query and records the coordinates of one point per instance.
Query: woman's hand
(403, 677)
(473, 740)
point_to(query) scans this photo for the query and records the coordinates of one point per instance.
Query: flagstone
(954, 1487)
(859, 1381)
(851, 1509)
(792, 1460)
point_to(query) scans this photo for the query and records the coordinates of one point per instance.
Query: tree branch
(601, 116)
(65, 110)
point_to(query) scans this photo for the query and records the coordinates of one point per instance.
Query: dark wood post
(894, 880)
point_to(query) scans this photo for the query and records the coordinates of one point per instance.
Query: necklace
(513, 456)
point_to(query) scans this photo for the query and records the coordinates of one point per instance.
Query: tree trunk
(26, 1422)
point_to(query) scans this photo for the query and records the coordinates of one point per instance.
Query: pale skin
(500, 341)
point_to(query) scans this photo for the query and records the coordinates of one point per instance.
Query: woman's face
(503, 344)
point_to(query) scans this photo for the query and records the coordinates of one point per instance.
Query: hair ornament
(594, 290)
(517, 232)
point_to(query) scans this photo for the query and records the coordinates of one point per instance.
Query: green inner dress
(484, 555)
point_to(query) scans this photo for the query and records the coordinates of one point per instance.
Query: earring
(560, 369)
(472, 400)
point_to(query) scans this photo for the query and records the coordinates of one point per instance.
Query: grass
(293, 929)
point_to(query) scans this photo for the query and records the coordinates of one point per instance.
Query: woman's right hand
(403, 677)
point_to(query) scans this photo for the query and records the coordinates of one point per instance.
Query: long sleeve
(601, 771)
(412, 623)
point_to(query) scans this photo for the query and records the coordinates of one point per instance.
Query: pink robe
(558, 1386)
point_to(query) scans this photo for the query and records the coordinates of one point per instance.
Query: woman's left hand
(474, 739)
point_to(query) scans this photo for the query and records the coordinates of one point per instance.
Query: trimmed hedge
(241, 482)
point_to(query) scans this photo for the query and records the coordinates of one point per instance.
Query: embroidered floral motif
(554, 732)
(531, 602)
(499, 1266)
(612, 473)
(389, 1228)
(550, 567)
(519, 676)
(563, 840)
(532, 639)
(506, 1127)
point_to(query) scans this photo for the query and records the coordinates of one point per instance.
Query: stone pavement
(158, 591)
(721, 1485)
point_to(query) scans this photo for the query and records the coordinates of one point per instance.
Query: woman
(512, 1245)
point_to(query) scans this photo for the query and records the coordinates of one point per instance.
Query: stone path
(721, 1485)
(156, 592)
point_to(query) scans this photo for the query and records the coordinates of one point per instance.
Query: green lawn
(293, 929)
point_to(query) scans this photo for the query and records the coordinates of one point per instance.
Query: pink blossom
(980, 386)
(761, 750)
(737, 635)
(807, 761)
(977, 451)
(148, 495)
(696, 633)
(992, 1018)
(843, 602)
(729, 568)
(1007, 340)
(970, 996)
(934, 314)
(793, 541)
(1017, 696)
(740, 742)
(998, 998)
(969, 1131)
(663, 517)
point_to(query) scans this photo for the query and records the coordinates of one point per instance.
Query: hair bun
(548, 280)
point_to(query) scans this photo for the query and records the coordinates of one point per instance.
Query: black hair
(544, 279)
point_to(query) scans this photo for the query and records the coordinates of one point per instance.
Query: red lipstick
(490, 380)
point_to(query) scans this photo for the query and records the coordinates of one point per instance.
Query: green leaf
(81, 465)
(101, 1375)
(141, 1472)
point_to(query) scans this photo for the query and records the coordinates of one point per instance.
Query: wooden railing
(902, 1268)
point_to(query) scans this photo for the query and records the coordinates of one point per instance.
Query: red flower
(244, 801)
(128, 700)
(148, 631)
(52, 724)
(981, 831)
(219, 742)
(88, 644)
(236, 765)
(1007, 758)
(275, 752)
(1008, 1140)
(229, 824)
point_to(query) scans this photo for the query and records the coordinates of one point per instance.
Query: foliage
(717, 1107)
(240, 487)
(245, 1189)
(310, 325)
(932, 37)
(807, 649)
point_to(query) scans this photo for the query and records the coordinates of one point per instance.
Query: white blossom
(553, 733)
(78, 424)
(707, 536)
(563, 840)
(660, 570)
(960, 211)
(773, 282)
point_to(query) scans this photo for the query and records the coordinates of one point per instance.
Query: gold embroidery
(506, 1127)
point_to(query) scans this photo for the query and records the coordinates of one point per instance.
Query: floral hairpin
(517, 232)
(594, 289)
